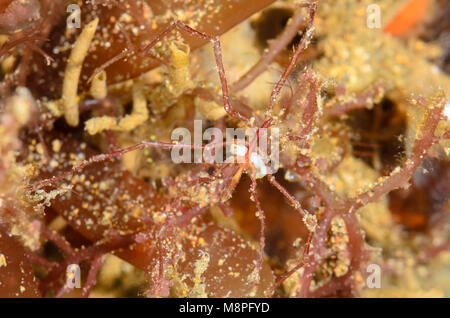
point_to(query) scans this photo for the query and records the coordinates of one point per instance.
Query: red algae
(88, 175)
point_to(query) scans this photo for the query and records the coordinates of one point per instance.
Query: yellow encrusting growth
(210, 109)
(98, 86)
(137, 117)
(72, 73)
(2, 260)
(201, 265)
(178, 77)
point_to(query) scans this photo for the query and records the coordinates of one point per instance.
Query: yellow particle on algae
(40, 149)
(56, 145)
(3, 260)
(159, 218)
(103, 186)
(402, 59)
(137, 212)
(23, 103)
(53, 163)
(106, 218)
(55, 107)
(8, 64)
(201, 241)
(310, 221)
(358, 277)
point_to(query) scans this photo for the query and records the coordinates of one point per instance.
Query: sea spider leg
(283, 278)
(303, 44)
(295, 204)
(261, 216)
(275, 48)
(103, 157)
(92, 276)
